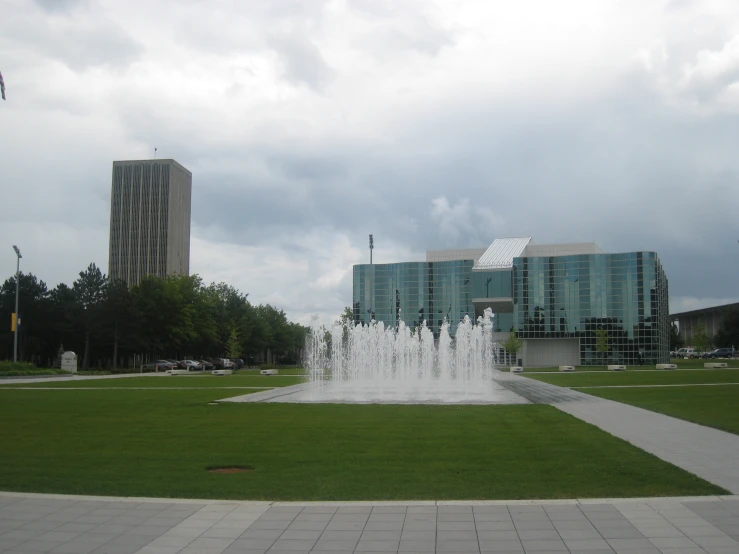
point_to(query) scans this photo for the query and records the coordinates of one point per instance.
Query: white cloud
(309, 124)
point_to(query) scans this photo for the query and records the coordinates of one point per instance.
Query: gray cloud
(60, 5)
(288, 183)
(79, 40)
(302, 61)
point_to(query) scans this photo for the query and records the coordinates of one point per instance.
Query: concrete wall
(178, 235)
(550, 352)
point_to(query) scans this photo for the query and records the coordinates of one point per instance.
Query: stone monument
(69, 362)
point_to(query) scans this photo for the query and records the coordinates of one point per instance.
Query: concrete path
(74, 378)
(32, 523)
(704, 451)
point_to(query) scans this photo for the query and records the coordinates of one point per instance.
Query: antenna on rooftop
(155, 152)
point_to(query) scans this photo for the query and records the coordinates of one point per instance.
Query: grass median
(631, 378)
(160, 442)
(710, 406)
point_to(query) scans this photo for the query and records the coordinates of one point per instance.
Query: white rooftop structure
(500, 254)
(455, 254)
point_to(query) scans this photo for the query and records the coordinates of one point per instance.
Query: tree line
(109, 324)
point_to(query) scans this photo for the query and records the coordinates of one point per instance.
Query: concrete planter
(567, 368)
(666, 366)
(616, 367)
(222, 371)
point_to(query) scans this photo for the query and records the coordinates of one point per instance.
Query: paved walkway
(32, 523)
(704, 451)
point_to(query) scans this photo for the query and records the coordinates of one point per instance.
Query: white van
(687, 353)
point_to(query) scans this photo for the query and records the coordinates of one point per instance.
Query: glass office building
(558, 298)
(572, 298)
(414, 292)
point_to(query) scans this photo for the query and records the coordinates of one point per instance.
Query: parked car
(688, 353)
(238, 363)
(160, 365)
(207, 366)
(218, 363)
(192, 365)
(720, 353)
(228, 364)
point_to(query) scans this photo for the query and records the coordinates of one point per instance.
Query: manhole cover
(230, 469)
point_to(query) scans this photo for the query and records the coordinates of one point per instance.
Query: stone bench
(222, 371)
(268, 372)
(516, 369)
(567, 368)
(179, 372)
(617, 367)
(715, 365)
(666, 366)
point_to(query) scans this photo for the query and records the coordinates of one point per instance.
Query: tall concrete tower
(149, 220)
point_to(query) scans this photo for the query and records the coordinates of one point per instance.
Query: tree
(118, 315)
(601, 342)
(233, 348)
(701, 340)
(512, 344)
(347, 316)
(89, 290)
(728, 334)
(36, 329)
(676, 341)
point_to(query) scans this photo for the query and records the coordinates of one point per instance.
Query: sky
(309, 124)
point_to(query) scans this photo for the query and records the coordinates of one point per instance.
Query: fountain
(378, 364)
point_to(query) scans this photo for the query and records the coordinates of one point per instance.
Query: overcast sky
(308, 125)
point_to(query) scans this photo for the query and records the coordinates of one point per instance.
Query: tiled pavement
(57, 524)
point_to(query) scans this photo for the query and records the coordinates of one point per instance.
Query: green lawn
(613, 378)
(168, 381)
(681, 364)
(159, 442)
(711, 406)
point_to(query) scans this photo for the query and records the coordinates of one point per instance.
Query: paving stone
(457, 547)
(370, 546)
(545, 544)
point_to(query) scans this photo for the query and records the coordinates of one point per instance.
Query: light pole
(372, 246)
(17, 320)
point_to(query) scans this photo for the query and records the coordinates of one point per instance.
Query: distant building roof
(454, 254)
(500, 254)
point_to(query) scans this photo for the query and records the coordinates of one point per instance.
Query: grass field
(169, 381)
(615, 378)
(711, 406)
(159, 442)
(681, 364)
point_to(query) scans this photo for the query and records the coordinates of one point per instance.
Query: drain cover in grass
(229, 469)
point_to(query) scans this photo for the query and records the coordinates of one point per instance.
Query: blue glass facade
(555, 297)
(574, 296)
(414, 292)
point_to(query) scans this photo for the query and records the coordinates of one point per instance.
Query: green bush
(31, 372)
(16, 366)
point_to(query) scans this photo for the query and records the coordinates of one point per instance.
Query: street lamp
(17, 320)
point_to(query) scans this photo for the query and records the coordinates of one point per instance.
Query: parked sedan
(160, 365)
(192, 365)
(238, 363)
(207, 366)
(720, 353)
